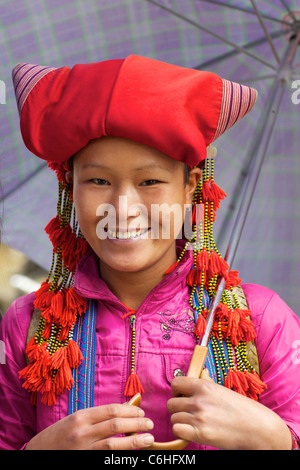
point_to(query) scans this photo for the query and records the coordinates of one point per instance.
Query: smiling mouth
(126, 235)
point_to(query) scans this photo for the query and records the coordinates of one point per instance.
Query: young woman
(124, 304)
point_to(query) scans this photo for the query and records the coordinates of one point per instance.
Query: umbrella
(252, 42)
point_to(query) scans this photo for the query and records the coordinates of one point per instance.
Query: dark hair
(186, 174)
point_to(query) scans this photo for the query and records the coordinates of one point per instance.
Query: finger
(184, 386)
(113, 410)
(117, 426)
(185, 431)
(186, 427)
(177, 404)
(138, 441)
(205, 375)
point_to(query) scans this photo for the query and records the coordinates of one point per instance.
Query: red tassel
(49, 398)
(172, 267)
(203, 260)
(81, 248)
(63, 378)
(60, 170)
(33, 398)
(190, 279)
(217, 266)
(57, 359)
(35, 351)
(240, 327)
(43, 296)
(234, 382)
(255, 385)
(245, 383)
(200, 325)
(217, 194)
(74, 354)
(233, 279)
(206, 192)
(233, 324)
(52, 226)
(222, 311)
(76, 302)
(57, 306)
(133, 385)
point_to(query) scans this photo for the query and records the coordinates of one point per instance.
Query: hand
(210, 414)
(96, 429)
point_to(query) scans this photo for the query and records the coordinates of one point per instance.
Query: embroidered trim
(81, 394)
(295, 442)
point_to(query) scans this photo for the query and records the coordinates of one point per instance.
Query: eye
(149, 182)
(99, 182)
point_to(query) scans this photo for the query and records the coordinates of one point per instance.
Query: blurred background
(242, 40)
(18, 276)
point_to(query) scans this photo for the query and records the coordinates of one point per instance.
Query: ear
(69, 177)
(194, 178)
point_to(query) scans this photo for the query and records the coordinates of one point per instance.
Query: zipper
(133, 384)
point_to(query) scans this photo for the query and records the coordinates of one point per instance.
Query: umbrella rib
(291, 13)
(269, 39)
(227, 55)
(21, 183)
(245, 10)
(256, 79)
(208, 31)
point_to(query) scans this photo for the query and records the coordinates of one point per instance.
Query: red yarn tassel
(200, 325)
(43, 296)
(74, 354)
(240, 327)
(172, 267)
(190, 279)
(206, 192)
(217, 194)
(233, 382)
(133, 385)
(52, 226)
(245, 383)
(222, 311)
(58, 305)
(217, 265)
(233, 279)
(57, 359)
(76, 302)
(203, 260)
(255, 385)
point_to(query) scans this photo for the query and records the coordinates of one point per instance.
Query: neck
(132, 287)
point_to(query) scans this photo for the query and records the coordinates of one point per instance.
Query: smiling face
(131, 181)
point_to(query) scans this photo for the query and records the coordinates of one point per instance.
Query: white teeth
(125, 235)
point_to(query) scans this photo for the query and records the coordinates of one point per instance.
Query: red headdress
(178, 111)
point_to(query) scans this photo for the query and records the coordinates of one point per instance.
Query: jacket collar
(89, 284)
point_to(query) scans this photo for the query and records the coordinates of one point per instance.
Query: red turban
(176, 110)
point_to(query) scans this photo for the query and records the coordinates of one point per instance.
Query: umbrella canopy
(243, 41)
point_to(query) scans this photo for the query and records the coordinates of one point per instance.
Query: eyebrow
(152, 166)
(103, 167)
(95, 165)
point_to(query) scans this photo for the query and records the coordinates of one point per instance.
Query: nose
(127, 206)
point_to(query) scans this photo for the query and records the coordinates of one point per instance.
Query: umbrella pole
(258, 154)
(282, 79)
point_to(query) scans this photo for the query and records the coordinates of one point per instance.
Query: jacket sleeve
(278, 348)
(17, 415)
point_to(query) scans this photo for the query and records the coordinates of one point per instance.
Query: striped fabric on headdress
(178, 111)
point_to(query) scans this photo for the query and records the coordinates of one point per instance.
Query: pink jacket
(164, 343)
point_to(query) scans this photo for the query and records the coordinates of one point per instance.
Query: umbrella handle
(195, 370)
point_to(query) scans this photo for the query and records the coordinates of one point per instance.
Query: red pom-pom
(200, 325)
(133, 385)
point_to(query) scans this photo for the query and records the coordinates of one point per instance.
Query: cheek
(86, 208)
